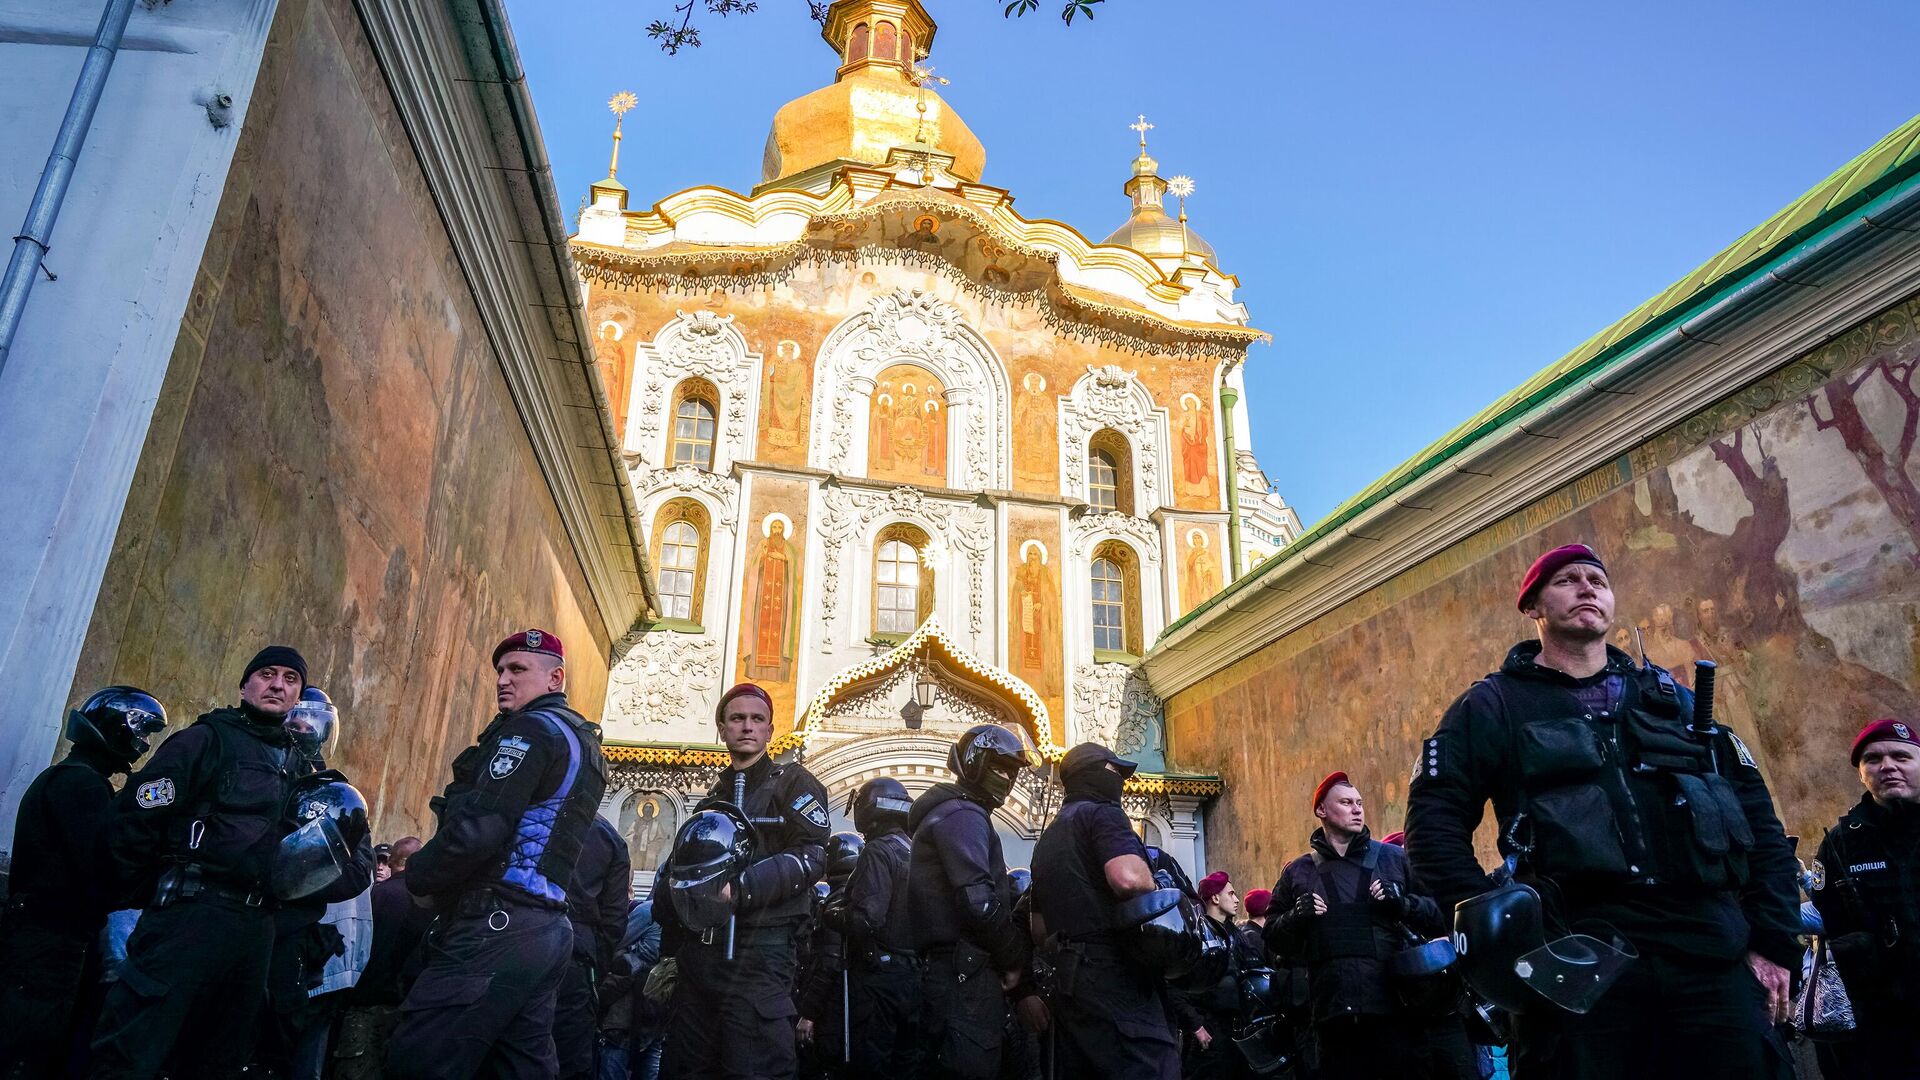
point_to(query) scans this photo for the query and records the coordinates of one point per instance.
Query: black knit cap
(276, 656)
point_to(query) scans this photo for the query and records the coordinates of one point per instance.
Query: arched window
(1110, 472)
(695, 408)
(902, 582)
(857, 49)
(1115, 599)
(680, 531)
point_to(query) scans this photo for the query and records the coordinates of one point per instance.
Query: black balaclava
(1095, 781)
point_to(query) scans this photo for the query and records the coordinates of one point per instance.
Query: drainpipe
(1229, 397)
(30, 246)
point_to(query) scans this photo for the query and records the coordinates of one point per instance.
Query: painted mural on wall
(1199, 564)
(907, 427)
(1035, 651)
(1777, 534)
(647, 820)
(771, 591)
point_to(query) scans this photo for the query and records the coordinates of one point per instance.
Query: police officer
(1110, 1015)
(825, 978)
(735, 1018)
(959, 914)
(62, 885)
(884, 975)
(1866, 884)
(193, 837)
(1341, 905)
(512, 822)
(1629, 824)
(597, 899)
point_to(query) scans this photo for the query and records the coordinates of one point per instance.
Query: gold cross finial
(1142, 127)
(621, 103)
(923, 76)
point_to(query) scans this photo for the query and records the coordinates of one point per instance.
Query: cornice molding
(463, 111)
(1728, 347)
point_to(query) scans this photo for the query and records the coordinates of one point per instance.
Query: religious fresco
(1035, 648)
(1193, 446)
(1199, 547)
(1036, 426)
(613, 346)
(907, 427)
(647, 821)
(1777, 534)
(771, 591)
(785, 402)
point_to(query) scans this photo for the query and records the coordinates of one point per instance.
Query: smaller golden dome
(1150, 230)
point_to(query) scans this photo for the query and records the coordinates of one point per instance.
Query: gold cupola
(1150, 230)
(873, 105)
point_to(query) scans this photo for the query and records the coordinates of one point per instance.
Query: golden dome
(1150, 230)
(872, 106)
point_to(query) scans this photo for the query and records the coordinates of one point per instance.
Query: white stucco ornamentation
(1088, 530)
(1110, 397)
(723, 491)
(698, 345)
(665, 678)
(1114, 706)
(851, 513)
(913, 326)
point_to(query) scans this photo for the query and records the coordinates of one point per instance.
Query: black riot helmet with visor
(710, 852)
(313, 723)
(1500, 937)
(987, 759)
(880, 806)
(116, 721)
(843, 854)
(328, 821)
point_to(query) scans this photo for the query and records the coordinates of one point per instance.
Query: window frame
(1118, 452)
(694, 514)
(1126, 564)
(704, 393)
(917, 541)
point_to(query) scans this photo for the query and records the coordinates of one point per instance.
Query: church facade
(908, 459)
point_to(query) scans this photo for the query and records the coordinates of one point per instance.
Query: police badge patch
(810, 808)
(1740, 748)
(154, 794)
(507, 756)
(1819, 875)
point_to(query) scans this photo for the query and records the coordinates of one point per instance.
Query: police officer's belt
(879, 959)
(253, 898)
(477, 903)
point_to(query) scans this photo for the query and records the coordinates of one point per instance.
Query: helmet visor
(309, 859)
(1574, 971)
(314, 726)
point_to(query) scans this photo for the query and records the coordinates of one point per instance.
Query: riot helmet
(843, 853)
(116, 721)
(1019, 880)
(710, 852)
(313, 723)
(1257, 995)
(1165, 937)
(880, 806)
(328, 819)
(1501, 939)
(1268, 1046)
(987, 759)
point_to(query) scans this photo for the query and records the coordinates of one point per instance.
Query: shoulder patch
(809, 807)
(154, 794)
(1740, 749)
(507, 756)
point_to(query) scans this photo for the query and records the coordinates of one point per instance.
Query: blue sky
(1424, 202)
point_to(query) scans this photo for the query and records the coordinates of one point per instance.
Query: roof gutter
(513, 77)
(1897, 195)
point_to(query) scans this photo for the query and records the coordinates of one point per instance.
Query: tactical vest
(1350, 928)
(547, 838)
(234, 828)
(773, 835)
(1632, 796)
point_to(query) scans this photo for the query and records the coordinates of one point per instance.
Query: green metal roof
(1892, 160)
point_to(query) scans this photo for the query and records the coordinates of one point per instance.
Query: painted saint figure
(775, 607)
(1196, 442)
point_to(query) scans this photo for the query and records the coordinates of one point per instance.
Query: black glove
(1394, 899)
(835, 914)
(1302, 909)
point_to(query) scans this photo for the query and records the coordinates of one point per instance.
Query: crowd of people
(225, 911)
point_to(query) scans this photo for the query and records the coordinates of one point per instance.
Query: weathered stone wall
(1776, 533)
(335, 462)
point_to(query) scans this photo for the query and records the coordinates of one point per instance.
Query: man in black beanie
(193, 837)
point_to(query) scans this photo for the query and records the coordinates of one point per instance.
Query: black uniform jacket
(788, 806)
(872, 891)
(214, 795)
(1471, 759)
(598, 896)
(1867, 887)
(61, 873)
(1345, 950)
(955, 866)
(518, 807)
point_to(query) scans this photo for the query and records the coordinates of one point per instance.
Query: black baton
(1704, 672)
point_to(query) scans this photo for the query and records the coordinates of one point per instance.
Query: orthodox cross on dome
(620, 104)
(1142, 126)
(1181, 187)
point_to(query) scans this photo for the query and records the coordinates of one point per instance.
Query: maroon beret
(1320, 793)
(1212, 885)
(1550, 564)
(533, 641)
(1257, 902)
(1881, 730)
(1397, 839)
(745, 689)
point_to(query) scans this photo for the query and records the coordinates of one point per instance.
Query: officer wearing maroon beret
(1866, 883)
(735, 1017)
(1632, 824)
(512, 822)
